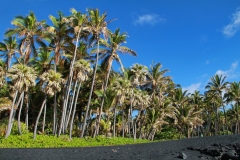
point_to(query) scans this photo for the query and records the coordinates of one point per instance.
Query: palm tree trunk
(123, 123)
(70, 109)
(74, 110)
(103, 98)
(114, 120)
(55, 114)
(11, 116)
(131, 110)
(19, 113)
(39, 114)
(44, 118)
(27, 109)
(91, 91)
(63, 119)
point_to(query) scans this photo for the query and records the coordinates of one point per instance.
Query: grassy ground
(47, 141)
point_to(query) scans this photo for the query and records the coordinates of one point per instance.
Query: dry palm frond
(5, 104)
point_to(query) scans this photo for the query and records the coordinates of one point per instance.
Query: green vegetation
(57, 86)
(49, 141)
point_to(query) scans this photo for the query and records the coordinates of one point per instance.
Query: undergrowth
(47, 141)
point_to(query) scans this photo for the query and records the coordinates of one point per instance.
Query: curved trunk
(19, 113)
(70, 109)
(39, 114)
(103, 98)
(44, 118)
(27, 108)
(90, 95)
(74, 110)
(63, 119)
(11, 116)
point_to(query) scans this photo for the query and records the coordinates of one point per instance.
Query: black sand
(219, 147)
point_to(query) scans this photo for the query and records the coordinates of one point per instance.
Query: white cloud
(229, 73)
(192, 87)
(151, 19)
(232, 28)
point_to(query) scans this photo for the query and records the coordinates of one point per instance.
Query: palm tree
(196, 100)
(122, 86)
(23, 77)
(156, 81)
(43, 62)
(81, 70)
(138, 74)
(52, 82)
(233, 117)
(60, 36)
(30, 31)
(9, 49)
(77, 21)
(110, 53)
(217, 86)
(187, 118)
(233, 95)
(96, 25)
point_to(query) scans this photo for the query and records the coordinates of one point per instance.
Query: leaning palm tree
(97, 25)
(22, 77)
(52, 82)
(9, 49)
(60, 39)
(110, 53)
(30, 31)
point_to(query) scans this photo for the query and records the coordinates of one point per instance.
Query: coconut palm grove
(58, 79)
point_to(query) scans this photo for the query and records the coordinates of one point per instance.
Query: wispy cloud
(229, 73)
(232, 28)
(192, 87)
(151, 19)
(207, 62)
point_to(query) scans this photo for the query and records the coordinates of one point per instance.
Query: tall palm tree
(81, 70)
(97, 25)
(52, 82)
(186, 118)
(217, 85)
(122, 86)
(59, 36)
(30, 31)
(233, 95)
(22, 77)
(110, 53)
(77, 22)
(9, 49)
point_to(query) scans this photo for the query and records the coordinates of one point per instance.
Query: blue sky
(193, 39)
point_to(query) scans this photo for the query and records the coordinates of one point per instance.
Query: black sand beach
(219, 147)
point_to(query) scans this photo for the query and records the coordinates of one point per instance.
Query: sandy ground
(219, 147)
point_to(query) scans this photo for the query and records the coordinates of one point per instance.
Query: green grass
(47, 141)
